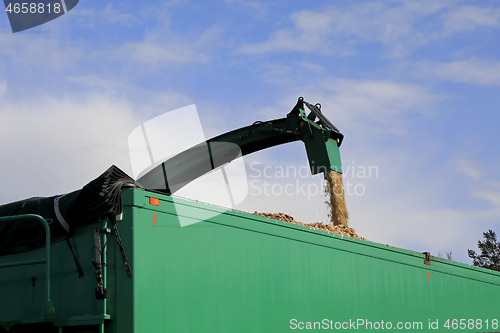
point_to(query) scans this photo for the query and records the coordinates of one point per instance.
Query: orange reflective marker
(428, 276)
(154, 201)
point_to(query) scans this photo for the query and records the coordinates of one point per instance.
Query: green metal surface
(323, 156)
(48, 308)
(22, 288)
(237, 272)
(228, 271)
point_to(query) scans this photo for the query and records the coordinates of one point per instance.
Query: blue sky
(413, 85)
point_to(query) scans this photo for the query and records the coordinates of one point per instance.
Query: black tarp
(98, 199)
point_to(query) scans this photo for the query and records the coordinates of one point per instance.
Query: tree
(490, 252)
(449, 255)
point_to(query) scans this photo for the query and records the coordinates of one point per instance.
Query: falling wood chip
(334, 190)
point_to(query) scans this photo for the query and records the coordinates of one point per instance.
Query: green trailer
(124, 256)
(237, 272)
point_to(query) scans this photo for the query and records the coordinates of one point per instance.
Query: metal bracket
(100, 290)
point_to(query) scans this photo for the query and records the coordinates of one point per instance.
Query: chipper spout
(321, 138)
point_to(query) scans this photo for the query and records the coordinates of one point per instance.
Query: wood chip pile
(340, 229)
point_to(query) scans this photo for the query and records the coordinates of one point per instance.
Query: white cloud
(256, 6)
(411, 206)
(162, 48)
(468, 17)
(400, 27)
(335, 29)
(158, 53)
(375, 105)
(363, 110)
(146, 104)
(382, 96)
(467, 167)
(493, 197)
(3, 89)
(52, 144)
(57, 145)
(399, 222)
(44, 51)
(115, 16)
(473, 70)
(109, 15)
(100, 83)
(308, 34)
(162, 102)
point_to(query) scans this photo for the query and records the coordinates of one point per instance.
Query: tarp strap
(59, 216)
(78, 267)
(122, 249)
